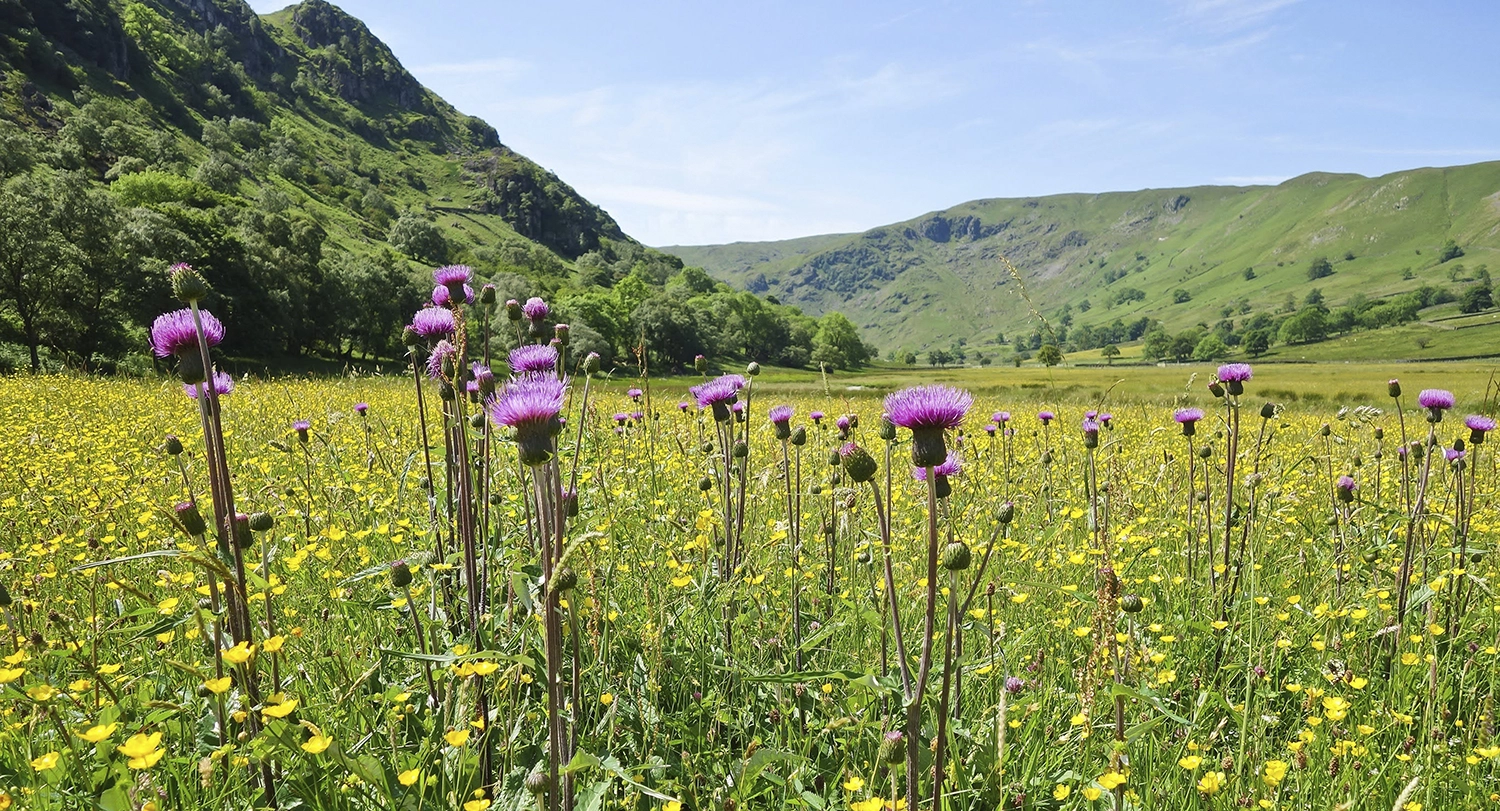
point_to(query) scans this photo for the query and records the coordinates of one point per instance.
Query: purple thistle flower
(1453, 454)
(1090, 433)
(433, 323)
(1234, 373)
(842, 423)
(718, 394)
(738, 408)
(1478, 425)
(472, 387)
(1435, 398)
(1188, 418)
(361, 408)
(990, 429)
(441, 354)
(484, 377)
(633, 393)
(781, 414)
(533, 359)
(174, 334)
(452, 275)
(682, 405)
(441, 296)
(1090, 414)
(817, 417)
(301, 425)
(620, 417)
(223, 385)
(927, 411)
(637, 416)
(535, 309)
(1345, 483)
(1046, 416)
(1106, 418)
(928, 407)
(1014, 684)
(1004, 416)
(532, 407)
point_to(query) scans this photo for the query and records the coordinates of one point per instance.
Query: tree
(1249, 274)
(1257, 341)
(1110, 352)
(909, 358)
(1212, 347)
(1476, 299)
(1180, 296)
(837, 343)
(1319, 268)
(30, 251)
(1449, 252)
(417, 237)
(939, 357)
(1049, 355)
(1308, 325)
(1157, 345)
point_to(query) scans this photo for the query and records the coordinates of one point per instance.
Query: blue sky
(706, 122)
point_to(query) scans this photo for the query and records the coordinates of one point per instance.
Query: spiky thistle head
(533, 359)
(433, 323)
(928, 411)
(1233, 376)
(1478, 426)
(719, 394)
(532, 407)
(174, 333)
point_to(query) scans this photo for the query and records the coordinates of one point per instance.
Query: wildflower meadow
(508, 580)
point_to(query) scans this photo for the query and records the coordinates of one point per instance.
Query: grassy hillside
(943, 276)
(314, 182)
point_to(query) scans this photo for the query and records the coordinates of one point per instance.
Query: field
(727, 640)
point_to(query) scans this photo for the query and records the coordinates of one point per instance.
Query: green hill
(312, 179)
(1190, 259)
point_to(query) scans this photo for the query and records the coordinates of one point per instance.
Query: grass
(690, 688)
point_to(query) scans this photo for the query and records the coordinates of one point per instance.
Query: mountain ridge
(939, 277)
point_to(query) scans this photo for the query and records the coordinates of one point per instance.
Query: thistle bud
(700, 364)
(564, 580)
(1216, 389)
(591, 363)
(799, 436)
(188, 285)
(893, 747)
(753, 369)
(561, 332)
(5, 599)
(1205, 452)
(261, 522)
(400, 574)
(191, 520)
(243, 537)
(956, 556)
(1007, 513)
(1268, 411)
(487, 294)
(513, 310)
(538, 781)
(570, 503)
(705, 484)
(741, 450)
(1393, 387)
(410, 337)
(887, 429)
(1380, 433)
(858, 463)
(173, 445)
(1131, 604)
(1325, 430)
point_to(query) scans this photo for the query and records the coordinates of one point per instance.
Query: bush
(1319, 268)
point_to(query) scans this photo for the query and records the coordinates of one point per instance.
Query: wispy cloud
(502, 68)
(1229, 15)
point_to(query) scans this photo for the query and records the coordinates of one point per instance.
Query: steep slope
(1233, 252)
(290, 157)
